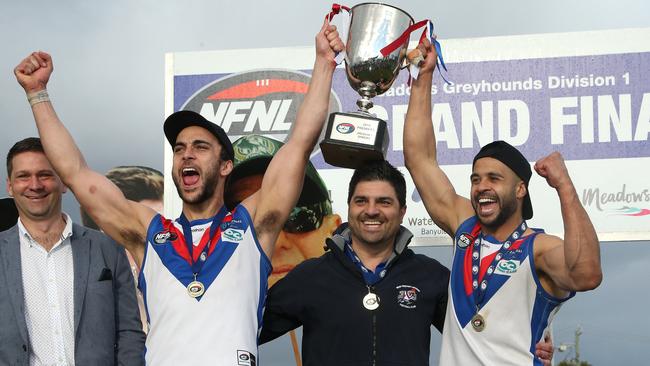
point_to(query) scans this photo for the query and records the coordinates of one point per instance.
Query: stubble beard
(206, 191)
(367, 239)
(507, 208)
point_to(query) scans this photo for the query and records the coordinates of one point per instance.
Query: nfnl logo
(345, 128)
(255, 102)
(163, 236)
(464, 240)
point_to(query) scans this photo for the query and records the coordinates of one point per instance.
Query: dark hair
(30, 144)
(513, 159)
(180, 120)
(224, 155)
(383, 171)
(137, 183)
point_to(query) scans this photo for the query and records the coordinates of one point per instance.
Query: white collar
(65, 234)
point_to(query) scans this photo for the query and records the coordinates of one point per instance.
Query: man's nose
(283, 241)
(35, 183)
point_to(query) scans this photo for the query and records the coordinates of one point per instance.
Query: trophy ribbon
(343, 27)
(414, 68)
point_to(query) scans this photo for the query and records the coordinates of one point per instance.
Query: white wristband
(38, 97)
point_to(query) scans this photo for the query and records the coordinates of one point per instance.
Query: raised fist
(328, 41)
(429, 56)
(553, 169)
(34, 71)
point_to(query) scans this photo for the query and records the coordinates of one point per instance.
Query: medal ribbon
(206, 240)
(369, 276)
(482, 273)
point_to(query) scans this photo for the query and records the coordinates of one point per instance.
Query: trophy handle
(405, 61)
(343, 29)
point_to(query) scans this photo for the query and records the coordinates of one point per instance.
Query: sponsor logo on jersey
(345, 128)
(231, 234)
(245, 358)
(164, 236)
(507, 266)
(234, 224)
(407, 296)
(263, 102)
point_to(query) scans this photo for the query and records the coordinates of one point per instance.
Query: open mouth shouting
(190, 177)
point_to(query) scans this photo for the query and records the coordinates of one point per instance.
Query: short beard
(507, 209)
(206, 192)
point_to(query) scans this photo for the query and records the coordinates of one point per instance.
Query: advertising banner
(586, 95)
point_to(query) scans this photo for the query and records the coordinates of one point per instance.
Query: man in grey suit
(66, 292)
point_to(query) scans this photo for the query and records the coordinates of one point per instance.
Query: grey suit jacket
(107, 325)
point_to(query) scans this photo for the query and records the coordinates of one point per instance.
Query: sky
(108, 89)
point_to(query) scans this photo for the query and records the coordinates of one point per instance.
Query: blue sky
(108, 79)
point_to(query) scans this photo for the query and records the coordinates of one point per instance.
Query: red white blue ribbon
(427, 33)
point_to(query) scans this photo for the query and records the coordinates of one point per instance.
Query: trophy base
(351, 139)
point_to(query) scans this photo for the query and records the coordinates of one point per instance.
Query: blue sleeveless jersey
(516, 308)
(221, 326)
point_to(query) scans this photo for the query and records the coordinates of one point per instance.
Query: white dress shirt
(49, 301)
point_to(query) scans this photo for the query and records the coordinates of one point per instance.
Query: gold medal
(195, 289)
(478, 322)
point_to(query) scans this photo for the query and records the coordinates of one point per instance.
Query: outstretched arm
(271, 205)
(447, 209)
(572, 264)
(123, 220)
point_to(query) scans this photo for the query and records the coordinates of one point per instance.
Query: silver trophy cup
(354, 138)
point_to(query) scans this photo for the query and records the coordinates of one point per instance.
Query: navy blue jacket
(325, 295)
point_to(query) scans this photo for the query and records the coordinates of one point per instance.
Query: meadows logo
(345, 128)
(626, 202)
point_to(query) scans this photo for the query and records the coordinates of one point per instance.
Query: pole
(577, 343)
